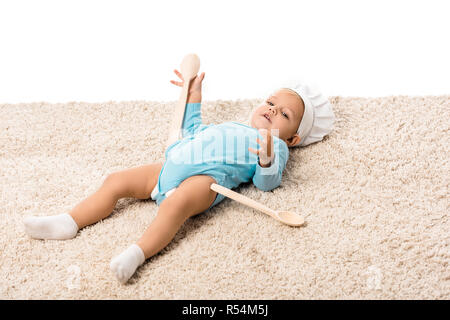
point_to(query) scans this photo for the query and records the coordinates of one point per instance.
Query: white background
(94, 51)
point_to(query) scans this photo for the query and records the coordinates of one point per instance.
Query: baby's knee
(114, 182)
(197, 192)
(177, 205)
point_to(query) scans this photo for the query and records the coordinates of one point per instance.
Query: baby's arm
(192, 116)
(271, 163)
(192, 120)
(269, 178)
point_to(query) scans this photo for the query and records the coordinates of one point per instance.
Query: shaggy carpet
(374, 193)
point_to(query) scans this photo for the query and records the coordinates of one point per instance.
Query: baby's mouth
(265, 115)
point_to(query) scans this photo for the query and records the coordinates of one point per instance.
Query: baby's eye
(270, 103)
(284, 114)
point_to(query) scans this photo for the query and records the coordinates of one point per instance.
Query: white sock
(125, 264)
(59, 227)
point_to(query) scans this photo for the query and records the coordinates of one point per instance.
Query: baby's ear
(294, 140)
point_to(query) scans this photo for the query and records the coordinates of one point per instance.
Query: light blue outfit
(219, 151)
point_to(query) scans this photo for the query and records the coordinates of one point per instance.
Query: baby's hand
(196, 84)
(265, 152)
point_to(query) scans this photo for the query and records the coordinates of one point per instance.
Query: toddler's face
(282, 111)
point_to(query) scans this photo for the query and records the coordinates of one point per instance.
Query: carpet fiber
(375, 195)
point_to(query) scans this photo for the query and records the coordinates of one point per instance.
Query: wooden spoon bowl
(190, 67)
(290, 218)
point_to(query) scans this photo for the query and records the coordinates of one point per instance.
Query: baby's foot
(125, 264)
(59, 227)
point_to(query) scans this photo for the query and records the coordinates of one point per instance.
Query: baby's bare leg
(191, 197)
(137, 182)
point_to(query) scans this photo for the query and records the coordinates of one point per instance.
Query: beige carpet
(375, 195)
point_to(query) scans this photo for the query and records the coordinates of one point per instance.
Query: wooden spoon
(285, 217)
(189, 69)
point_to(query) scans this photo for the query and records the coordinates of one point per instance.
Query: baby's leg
(136, 182)
(191, 197)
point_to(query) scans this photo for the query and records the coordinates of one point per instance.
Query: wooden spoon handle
(244, 200)
(178, 115)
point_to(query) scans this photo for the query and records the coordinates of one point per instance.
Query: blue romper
(219, 151)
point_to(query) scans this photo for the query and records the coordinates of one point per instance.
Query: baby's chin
(260, 123)
(263, 124)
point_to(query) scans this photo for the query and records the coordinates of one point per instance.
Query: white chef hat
(318, 117)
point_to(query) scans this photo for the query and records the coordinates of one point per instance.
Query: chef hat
(318, 117)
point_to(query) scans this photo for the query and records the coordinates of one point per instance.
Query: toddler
(228, 154)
